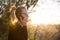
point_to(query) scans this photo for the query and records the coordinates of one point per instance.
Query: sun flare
(37, 18)
(45, 13)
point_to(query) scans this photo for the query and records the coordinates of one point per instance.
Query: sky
(46, 12)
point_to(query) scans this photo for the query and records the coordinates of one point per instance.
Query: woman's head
(21, 14)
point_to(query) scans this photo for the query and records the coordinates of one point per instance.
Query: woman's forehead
(23, 11)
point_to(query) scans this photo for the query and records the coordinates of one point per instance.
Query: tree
(8, 6)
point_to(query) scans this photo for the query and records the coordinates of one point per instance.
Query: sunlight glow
(47, 12)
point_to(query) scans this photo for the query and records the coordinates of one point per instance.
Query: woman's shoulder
(16, 25)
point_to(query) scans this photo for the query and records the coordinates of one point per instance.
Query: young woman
(20, 30)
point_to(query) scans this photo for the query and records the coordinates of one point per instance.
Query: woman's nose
(27, 15)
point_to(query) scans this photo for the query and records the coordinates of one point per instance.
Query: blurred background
(43, 22)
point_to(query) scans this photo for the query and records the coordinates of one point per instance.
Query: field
(43, 32)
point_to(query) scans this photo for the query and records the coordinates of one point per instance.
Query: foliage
(8, 6)
(44, 32)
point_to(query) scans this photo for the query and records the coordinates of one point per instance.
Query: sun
(46, 13)
(37, 18)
